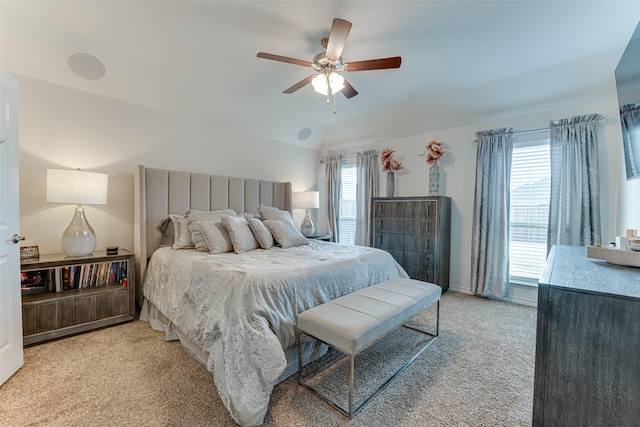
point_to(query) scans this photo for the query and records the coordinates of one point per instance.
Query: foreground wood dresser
(587, 370)
(416, 232)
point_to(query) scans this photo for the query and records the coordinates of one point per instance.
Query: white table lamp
(77, 187)
(306, 200)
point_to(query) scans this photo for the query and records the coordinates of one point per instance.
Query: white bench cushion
(352, 322)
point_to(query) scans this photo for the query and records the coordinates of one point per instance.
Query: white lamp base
(79, 239)
(306, 228)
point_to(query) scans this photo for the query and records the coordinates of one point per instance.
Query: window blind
(529, 210)
(347, 216)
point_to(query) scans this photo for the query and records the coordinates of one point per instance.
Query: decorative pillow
(181, 232)
(214, 235)
(197, 237)
(168, 235)
(209, 215)
(269, 212)
(249, 216)
(285, 233)
(241, 236)
(261, 233)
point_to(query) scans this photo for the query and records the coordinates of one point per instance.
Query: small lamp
(78, 187)
(306, 200)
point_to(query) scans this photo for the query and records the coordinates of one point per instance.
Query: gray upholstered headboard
(160, 192)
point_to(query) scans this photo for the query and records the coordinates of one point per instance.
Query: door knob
(17, 238)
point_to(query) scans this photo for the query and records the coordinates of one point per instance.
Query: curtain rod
(602, 120)
(347, 157)
(524, 132)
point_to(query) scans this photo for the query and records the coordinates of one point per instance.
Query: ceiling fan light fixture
(322, 82)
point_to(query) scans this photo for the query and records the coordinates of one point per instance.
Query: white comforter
(241, 309)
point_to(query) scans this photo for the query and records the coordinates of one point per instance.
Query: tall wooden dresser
(416, 232)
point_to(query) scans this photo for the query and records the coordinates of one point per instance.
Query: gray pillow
(166, 228)
(241, 236)
(215, 237)
(261, 233)
(197, 237)
(181, 232)
(249, 216)
(269, 212)
(285, 233)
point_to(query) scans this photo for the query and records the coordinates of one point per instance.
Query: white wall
(64, 128)
(457, 177)
(628, 204)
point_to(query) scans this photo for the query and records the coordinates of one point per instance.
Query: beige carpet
(479, 373)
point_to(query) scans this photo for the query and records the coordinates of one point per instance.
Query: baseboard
(524, 295)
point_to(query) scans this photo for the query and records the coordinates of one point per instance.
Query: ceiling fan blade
(348, 90)
(300, 84)
(337, 38)
(373, 64)
(284, 59)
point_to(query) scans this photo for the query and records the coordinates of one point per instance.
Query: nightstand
(325, 237)
(64, 295)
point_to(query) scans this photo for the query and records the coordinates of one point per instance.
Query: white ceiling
(462, 61)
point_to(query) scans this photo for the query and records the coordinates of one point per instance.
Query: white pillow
(197, 237)
(285, 233)
(269, 212)
(181, 232)
(249, 216)
(261, 233)
(214, 235)
(241, 236)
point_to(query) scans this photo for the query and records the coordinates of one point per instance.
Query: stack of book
(88, 275)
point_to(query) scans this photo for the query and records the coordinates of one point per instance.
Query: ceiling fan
(327, 64)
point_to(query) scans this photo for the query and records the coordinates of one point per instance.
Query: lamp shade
(78, 187)
(306, 200)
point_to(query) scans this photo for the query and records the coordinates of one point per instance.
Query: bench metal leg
(299, 356)
(352, 362)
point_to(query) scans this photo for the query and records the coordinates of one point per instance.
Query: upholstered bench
(355, 321)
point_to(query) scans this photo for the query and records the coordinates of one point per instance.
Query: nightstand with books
(64, 295)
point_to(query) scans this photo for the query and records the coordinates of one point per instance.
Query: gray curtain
(574, 208)
(630, 121)
(490, 234)
(366, 188)
(333, 186)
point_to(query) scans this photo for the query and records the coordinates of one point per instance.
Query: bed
(235, 313)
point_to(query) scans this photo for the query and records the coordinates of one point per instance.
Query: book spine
(52, 280)
(66, 278)
(58, 279)
(76, 276)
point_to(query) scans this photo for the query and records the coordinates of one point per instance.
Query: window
(530, 193)
(347, 215)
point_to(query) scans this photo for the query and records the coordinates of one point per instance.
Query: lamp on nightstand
(77, 187)
(306, 200)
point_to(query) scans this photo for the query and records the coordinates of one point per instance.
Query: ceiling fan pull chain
(334, 103)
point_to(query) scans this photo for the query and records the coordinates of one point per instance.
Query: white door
(11, 358)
